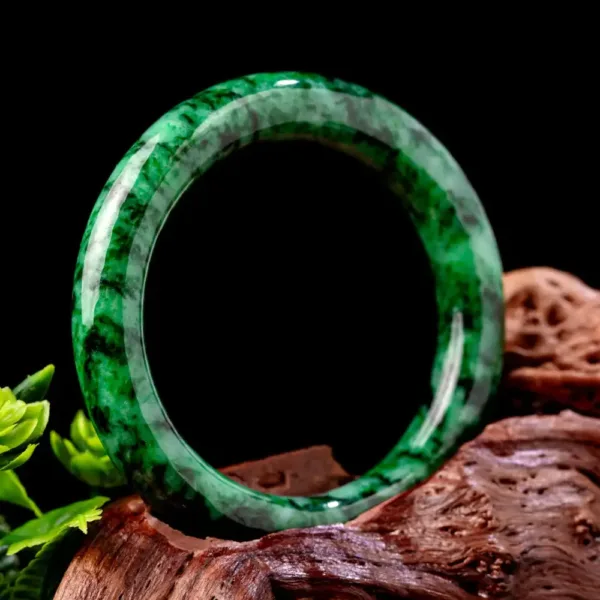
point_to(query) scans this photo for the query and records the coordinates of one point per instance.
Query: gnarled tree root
(515, 514)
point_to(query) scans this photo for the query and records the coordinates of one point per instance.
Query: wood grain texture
(515, 514)
(552, 354)
(302, 472)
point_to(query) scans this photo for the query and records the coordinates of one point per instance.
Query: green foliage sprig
(24, 415)
(21, 424)
(30, 582)
(84, 455)
(35, 387)
(49, 526)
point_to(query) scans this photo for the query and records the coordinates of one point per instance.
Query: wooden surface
(552, 357)
(515, 514)
(303, 472)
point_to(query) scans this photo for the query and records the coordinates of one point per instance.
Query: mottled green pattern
(117, 247)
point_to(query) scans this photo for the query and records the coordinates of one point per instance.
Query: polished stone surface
(117, 247)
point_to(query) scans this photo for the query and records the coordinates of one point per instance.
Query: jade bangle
(117, 247)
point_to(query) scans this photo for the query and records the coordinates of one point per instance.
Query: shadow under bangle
(117, 247)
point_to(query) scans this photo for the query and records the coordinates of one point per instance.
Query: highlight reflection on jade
(117, 248)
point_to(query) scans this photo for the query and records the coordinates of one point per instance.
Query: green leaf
(11, 410)
(48, 527)
(35, 387)
(11, 416)
(85, 456)
(13, 461)
(62, 450)
(18, 434)
(84, 435)
(20, 425)
(37, 581)
(39, 412)
(13, 491)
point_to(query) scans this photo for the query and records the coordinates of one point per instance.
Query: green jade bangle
(117, 247)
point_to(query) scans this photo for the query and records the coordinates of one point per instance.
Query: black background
(344, 321)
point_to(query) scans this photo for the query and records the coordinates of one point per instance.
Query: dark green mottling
(117, 247)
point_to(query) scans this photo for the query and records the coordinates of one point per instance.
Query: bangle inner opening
(289, 304)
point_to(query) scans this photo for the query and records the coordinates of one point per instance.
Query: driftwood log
(515, 514)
